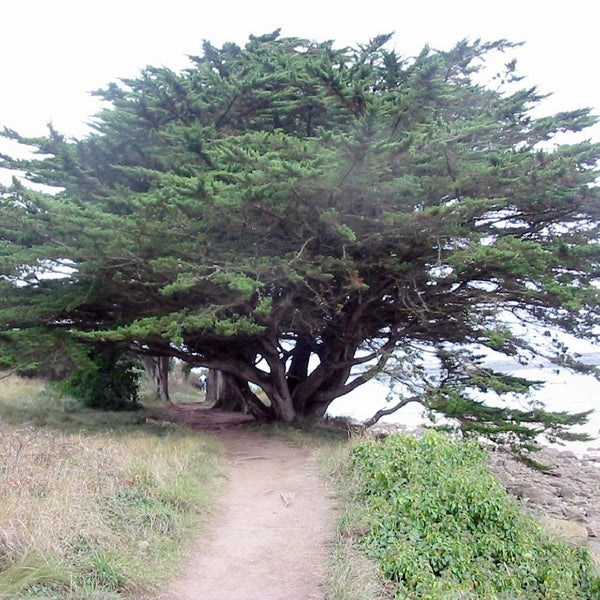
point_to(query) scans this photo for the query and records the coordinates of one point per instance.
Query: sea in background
(562, 390)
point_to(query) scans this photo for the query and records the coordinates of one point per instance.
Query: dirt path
(269, 538)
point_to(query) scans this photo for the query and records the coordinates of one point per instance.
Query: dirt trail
(268, 540)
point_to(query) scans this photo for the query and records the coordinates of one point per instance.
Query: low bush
(107, 379)
(442, 528)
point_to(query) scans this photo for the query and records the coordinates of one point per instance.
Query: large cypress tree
(293, 214)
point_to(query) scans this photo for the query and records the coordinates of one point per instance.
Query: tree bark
(278, 390)
(157, 369)
(283, 408)
(388, 411)
(298, 370)
(223, 390)
(229, 392)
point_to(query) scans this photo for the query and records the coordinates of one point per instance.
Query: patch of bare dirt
(202, 417)
(269, 538)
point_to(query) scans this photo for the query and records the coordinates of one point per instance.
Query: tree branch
(239, 368)
(388, 411)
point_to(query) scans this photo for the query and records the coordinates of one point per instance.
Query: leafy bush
(107, 379)
(443, 528)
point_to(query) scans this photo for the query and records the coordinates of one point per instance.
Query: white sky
(52, 52)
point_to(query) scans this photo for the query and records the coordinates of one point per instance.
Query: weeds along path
(269, 538)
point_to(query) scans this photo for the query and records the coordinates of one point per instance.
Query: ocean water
(562, 391)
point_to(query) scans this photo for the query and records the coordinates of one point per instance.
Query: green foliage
(468, 393)
(442, 527)
(107, 380)
(36, 352)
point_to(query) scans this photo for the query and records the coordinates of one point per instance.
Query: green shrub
(107, 380)
(443, 528)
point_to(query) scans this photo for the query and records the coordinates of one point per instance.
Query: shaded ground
(269, 538)
(200, 416)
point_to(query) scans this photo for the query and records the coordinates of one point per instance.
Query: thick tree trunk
(278, 391)
(229, 392)
(283, 408)
(157, 369)
(317, 409)
(225, 392)
(298, 370)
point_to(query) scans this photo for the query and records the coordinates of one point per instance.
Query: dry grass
(93, 514)
(16, 389)
(351, 575)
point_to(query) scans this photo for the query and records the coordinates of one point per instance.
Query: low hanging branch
(388, 411)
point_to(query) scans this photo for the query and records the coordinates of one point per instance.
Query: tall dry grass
(94, 515)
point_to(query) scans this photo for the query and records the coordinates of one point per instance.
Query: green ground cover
(441, 527)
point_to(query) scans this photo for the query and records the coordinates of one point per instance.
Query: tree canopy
(294, 213)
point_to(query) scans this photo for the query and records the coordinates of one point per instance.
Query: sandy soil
(269, 537)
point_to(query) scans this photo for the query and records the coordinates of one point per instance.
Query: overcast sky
(53, 52)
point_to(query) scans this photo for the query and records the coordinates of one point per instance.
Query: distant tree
(294, 214)
(157, 369)
(224, 392)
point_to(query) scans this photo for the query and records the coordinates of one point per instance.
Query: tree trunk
(229, 392)
(316, 409)
(283, 408)
(298, 370)
(157, 369)
(224, 391)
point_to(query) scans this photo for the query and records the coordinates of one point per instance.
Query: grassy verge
(351, 573)
(423, 518)
(94, 506)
